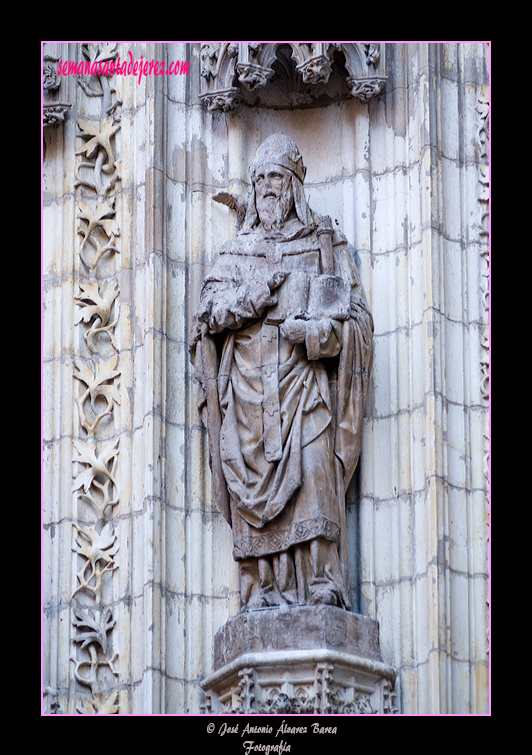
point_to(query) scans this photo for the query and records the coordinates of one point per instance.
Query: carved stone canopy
(230, 71)
(53, 110)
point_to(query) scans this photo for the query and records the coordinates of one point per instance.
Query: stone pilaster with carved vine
(97, 394)
(483, 108)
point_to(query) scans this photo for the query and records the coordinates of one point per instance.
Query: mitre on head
(280, 149)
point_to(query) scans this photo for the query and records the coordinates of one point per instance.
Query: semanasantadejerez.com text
(125, 68)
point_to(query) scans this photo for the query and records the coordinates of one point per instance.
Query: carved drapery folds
(229, 69)
(96, 376)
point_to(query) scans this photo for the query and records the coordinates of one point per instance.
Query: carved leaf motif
(96, 306)
(102, 51)
(104, 371)
(98, 137)
(97, 465)
(102, 216)
(100, 705)
(97, 386)
(93, 304)
(95, 548)
(98, 628)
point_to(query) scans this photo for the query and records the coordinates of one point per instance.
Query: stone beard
(274, 199)
(282, 348)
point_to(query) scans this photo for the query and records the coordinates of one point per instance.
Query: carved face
(273, 195)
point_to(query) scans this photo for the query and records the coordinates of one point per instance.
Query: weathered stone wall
(405, 177)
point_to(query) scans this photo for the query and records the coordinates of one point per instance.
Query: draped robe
(284, 419)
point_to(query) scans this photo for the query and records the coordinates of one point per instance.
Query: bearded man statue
(282, 348)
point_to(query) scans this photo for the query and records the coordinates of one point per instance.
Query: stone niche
(299, 659)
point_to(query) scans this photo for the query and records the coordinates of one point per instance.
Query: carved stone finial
(366, 87)
(316, 70)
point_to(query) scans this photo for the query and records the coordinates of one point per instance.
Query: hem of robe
(268, 543)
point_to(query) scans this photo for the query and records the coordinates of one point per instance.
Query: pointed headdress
(281, 150)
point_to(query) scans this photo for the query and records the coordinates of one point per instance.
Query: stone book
(305, 297)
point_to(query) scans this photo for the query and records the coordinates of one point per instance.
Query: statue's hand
(263, 290)
(293, 330)
(205, 311)
(275, 280)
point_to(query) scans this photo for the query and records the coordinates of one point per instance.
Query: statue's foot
(261, 599)
(323, 596)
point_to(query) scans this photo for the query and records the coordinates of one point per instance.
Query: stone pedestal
(299, 659)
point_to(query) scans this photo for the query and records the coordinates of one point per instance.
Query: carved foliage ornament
(96, 373)
(226, 67)
(318, 695)
(483, 136)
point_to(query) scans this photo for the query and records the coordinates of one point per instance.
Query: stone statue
(282, 348)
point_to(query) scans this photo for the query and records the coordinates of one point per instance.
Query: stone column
(423, 489)
(58, 405)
